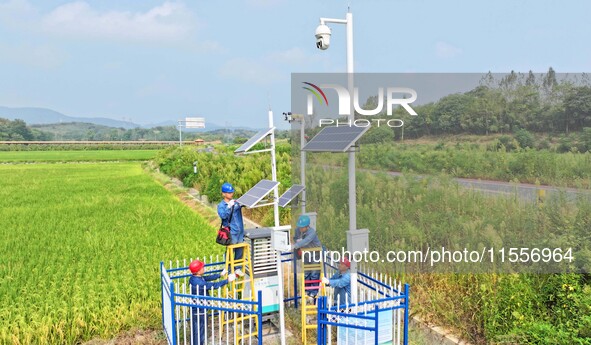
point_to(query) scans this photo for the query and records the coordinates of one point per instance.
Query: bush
(507, 142)
(223, 166)
(543, 144)
(586, 139)
(377, 135)
(566, 144)
(524, 138)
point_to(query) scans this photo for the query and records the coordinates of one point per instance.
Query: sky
(154, 60)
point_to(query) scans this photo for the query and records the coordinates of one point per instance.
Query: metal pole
(303, 161)
(320, 326)
(295, 278)
(274, 171)
(352, 176)
(172, 307)
(260, 317)
(406, 311)
(180, 125)
(276, 216)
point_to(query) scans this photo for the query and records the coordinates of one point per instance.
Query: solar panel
(257, 193)
(290, 194)
(335, 139)
(254, 140)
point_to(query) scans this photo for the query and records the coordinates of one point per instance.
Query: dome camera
(322, 37)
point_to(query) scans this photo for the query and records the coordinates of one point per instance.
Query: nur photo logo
(388, 97)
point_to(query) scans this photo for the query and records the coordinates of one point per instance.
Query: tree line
(17, 130)
(536, 102)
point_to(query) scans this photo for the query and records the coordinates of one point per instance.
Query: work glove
(325, 281)
(224, 272)
(231, 277)
(231, 203)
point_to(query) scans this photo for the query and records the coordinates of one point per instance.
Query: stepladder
(239, 261)
(311, 287)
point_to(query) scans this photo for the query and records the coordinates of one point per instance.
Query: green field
(80, 246)
(75, 156)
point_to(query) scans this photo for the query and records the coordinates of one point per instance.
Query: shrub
(524, 138)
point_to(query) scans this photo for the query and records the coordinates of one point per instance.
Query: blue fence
(381, 315)
(212, 319)
(370, 322)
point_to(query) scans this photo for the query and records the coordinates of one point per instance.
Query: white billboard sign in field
(194, 122)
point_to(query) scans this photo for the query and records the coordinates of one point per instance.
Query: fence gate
(213, 319)
(370, 322)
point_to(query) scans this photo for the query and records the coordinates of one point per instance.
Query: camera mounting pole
(348, 21)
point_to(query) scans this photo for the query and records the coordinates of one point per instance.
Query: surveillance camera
(322, 37)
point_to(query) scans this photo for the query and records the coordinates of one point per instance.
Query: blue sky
(152, 61)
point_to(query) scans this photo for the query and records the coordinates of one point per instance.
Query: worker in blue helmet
(306, 237)
(230, 212)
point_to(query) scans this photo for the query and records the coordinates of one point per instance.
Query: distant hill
(36, 116)
(44, 116)
(208, 127)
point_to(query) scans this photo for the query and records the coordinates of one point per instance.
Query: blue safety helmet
(303, 221)
(227, 188)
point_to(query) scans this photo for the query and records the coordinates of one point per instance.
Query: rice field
(80, 246)
(77, 155)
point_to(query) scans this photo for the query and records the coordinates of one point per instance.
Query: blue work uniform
(201, 286)
(236, 225)
(341, 282)
(309, 239)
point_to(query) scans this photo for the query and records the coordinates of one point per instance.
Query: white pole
(352, 177)
(274, 171)
(303, 161)
(276, 216)
(180, 133)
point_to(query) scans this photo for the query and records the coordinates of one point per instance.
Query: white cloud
(445, 50)
(16, 13)
(169, 21)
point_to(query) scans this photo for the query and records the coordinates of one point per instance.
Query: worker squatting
(230, 213)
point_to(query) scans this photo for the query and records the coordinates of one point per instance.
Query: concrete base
(436, 335)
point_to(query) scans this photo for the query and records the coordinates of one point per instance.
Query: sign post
(189, 122)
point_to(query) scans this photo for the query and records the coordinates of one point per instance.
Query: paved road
(524, 191)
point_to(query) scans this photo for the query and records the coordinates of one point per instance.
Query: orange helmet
(196, 266)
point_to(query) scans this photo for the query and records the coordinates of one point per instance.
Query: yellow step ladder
(236, 289)
(310, 308)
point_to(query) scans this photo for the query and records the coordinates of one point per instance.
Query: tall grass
(473, 161)
(411, 214)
